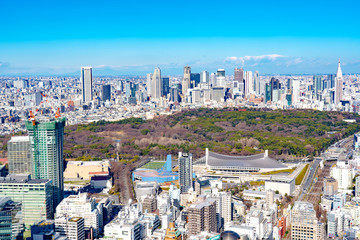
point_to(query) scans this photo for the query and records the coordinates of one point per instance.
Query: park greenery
(287, 134)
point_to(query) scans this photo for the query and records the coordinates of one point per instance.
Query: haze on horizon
(130, 38)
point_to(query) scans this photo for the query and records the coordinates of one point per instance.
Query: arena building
(239, 164)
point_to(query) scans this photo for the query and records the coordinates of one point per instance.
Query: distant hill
(287, 134)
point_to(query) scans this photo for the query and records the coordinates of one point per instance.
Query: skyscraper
(156, 87)
(204, 77)
(338, 85)
(186, 80)
(185, 171)
(86, 84)
(19, 155)
(194, 79)
(165, 86)
(105, 92)
(257, 83)
(46, 139)
(249, 83)
(220, 78)
(239, 75)
(295, 90)
(317, 85)
(149, 83)
(213, 79)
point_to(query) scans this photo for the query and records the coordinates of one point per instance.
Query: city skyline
(126, 39)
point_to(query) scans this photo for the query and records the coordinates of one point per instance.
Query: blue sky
(133, 37)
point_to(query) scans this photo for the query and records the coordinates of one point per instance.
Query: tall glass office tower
(86, 84)
(46, 139)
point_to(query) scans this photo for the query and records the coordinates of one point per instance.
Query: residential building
(343, 173)
(357, 186)
(202, 217)
(330, 186)
(71, 227)
(149, 204)
(185, 172)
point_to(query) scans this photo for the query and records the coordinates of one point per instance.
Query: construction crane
(32, 117)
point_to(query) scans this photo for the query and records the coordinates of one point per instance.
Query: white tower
(338, 85)
(156, 84)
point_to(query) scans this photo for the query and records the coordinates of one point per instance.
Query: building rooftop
(19, 139)
(254, 161)
(29, 181)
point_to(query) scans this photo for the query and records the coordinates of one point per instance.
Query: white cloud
(244, 59)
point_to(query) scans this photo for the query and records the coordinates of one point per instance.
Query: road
(307, 182)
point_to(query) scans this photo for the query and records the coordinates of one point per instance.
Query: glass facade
(46, 139)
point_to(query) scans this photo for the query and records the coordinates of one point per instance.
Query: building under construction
(46, 140)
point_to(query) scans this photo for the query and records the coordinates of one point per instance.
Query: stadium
(239, 164)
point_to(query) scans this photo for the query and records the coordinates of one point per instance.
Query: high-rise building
(156, 87)
(149, 84)
(317, 85)
(10, 219)
(185, 172)
(202, 217)
(270, 196)
(338, 85)
(105, 93)
(304, 224)
(257, 83)
(213, 79)
(220, 78)
(267, 92)
(204, 77)
(226, 207)
(86, 84)
(194, 79)
(239, 75)
(46, 139)
(175, 94)
(34, 194)
(249, 83)
(186, 80)
(19, 156)
(295, 90)
(71, 227)
(165, 86)
(331, 79)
